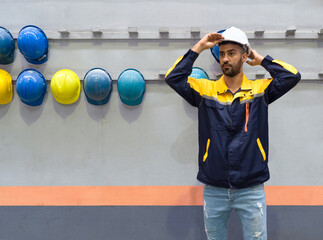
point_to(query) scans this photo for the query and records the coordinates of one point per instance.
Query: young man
(233, 129)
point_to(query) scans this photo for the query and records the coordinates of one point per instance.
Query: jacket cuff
(266, 61)
(191, 55)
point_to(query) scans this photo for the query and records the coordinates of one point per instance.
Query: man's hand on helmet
(255, 57)
(207, 42)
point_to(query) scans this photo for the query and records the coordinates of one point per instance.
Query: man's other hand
(255, 57)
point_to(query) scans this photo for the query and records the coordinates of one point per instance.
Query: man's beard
(232, 70)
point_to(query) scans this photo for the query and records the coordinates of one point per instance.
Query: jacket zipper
(247, 117)
(230, 186)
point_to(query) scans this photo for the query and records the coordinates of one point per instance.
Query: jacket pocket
(261, 149)
(215, 114)
(213, 104)
(207, 150)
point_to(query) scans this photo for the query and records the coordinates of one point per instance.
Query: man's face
(231, 59)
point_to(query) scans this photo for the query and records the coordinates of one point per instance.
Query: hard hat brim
(235, 42)
(36, 61)
(8, 100)
(134, 102)
(98, 102)
(35, 103)
(8, 59)
(70, 101)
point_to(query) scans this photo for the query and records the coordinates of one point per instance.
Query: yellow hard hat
(65, 86)
(5, 87)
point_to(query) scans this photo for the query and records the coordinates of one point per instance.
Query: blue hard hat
(97, 86)
(131, 87)
(31, 87)
(199, 73)
(7, 46)
(33, 44)
(215, 50)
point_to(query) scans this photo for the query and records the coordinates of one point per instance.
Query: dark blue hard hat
(31, 87)
(215, 49)
(7, 46)
(97, 86)
(33, 44)
(131, 87)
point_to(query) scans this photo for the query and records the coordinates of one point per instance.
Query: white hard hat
(234, 34)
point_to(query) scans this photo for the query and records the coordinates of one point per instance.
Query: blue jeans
(249, 203)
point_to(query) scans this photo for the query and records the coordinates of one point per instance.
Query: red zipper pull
(247, 117)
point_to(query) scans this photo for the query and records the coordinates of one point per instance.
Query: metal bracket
(133, 32)
(164, 32)
(195, 32)
(260, 74)
(259, 32)
(290, 31)
(64, 32)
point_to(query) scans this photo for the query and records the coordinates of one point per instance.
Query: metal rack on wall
(290, 33)
(259, 35)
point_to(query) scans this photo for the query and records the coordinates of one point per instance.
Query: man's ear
(244, 57)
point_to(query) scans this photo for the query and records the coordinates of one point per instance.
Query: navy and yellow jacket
(233, 129)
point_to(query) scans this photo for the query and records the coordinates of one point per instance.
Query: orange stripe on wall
(142, 195)
(101, 195)
(294, 195)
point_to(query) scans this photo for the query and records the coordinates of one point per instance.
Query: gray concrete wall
(154, 143)
(151, 144)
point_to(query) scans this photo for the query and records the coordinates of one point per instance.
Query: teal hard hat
(7, 46)
(199, 73)
(33, 44)
(97, 86)
(31, 87)
(131, 86)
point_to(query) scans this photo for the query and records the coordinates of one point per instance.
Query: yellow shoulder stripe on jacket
(210, 89)
(202, 86)
(286, 66)
(217, 90)
(260, 85)
(171, 69)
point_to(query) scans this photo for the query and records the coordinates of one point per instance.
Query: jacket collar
(246, 85)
